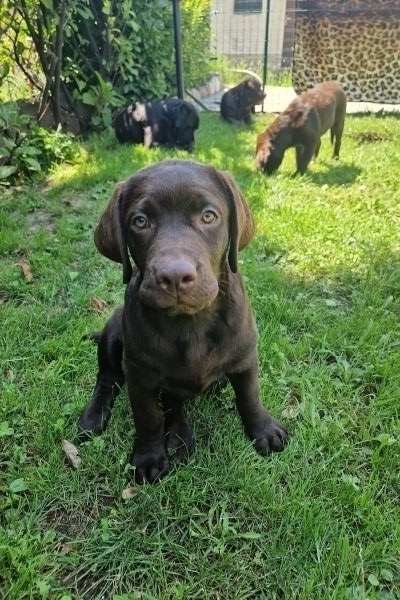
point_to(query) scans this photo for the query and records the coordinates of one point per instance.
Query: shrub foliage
(91, 56)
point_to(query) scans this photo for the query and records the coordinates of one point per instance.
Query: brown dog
(301, 125)
(238, 103)
(186, 322)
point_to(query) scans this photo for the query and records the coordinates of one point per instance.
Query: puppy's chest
(188, 364)
(193, 366)
(194, 355)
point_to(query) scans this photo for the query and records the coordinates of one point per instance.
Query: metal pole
(178, 49)
(266, 46)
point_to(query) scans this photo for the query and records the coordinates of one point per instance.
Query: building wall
(241, 36)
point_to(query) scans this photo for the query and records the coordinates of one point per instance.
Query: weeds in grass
(322, 519)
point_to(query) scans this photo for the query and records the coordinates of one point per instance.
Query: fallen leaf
(129, 492)
(26, 269)
(72, 453)
(98, 304)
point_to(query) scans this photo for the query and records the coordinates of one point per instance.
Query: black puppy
(170, 122)
(187, 322)
(238, 103)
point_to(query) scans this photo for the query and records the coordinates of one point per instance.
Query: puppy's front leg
(304, 158)
(148, 136)
(179, 436)
(268, 434)
(149, 456)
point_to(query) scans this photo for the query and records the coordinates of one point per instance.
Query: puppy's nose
(176, 276)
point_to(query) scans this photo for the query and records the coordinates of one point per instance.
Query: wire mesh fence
(298, 43)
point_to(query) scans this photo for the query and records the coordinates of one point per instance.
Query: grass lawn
(321, 521)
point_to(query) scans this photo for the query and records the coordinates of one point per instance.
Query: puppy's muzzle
(177, 277)
(178, 285)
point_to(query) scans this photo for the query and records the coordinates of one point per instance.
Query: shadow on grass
(335, 174)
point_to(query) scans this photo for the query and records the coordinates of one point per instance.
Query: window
(241, 6)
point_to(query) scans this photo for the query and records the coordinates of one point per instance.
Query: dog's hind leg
(336, 136)
(110, 378)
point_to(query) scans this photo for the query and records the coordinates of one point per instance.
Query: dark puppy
(238, 103)
(301, 125)
(170, 122)
(186, 322)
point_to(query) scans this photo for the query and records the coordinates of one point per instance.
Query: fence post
(178, 49)
(265, 66)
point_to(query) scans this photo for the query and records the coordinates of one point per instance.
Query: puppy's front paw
(180, 441)
(150, 463)
(92, 421)
(270, 436)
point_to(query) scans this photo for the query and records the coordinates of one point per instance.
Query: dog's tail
(94, 336)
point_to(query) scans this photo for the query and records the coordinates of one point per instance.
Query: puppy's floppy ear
(241, 222)
(263, 150)
(109, 235)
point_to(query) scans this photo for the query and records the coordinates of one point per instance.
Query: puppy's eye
(209, 216)
(140, 222)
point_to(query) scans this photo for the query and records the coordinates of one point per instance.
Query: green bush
(196, 34)
(134, 57)
(27, 149)
(91, 58)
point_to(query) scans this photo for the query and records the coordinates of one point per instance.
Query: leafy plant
(26, 148)
(91, 57)
(105, 100)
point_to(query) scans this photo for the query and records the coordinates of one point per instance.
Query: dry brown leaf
(72, 453)
(98, 304)
(129, 492)
(26, 269)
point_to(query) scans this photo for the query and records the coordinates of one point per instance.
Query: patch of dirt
(371, 136)
(71, 523)
(41, 219)
(69, 122)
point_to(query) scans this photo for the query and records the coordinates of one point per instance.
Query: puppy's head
(182, 223)
(268, 155)
(186, 121)
(253, 91)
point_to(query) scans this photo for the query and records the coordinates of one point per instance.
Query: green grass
(321, 521)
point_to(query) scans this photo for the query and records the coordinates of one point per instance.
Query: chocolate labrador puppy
(301, 125)
(238, 103)
(186, 322)
(170, 122)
